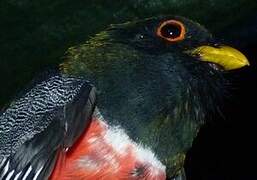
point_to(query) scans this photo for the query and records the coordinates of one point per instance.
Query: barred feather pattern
(20, 122)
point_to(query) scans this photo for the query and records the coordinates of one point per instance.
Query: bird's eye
(171, 31)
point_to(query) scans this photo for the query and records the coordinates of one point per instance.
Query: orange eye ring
(170, 37)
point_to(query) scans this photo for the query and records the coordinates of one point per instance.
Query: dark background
(34, 35)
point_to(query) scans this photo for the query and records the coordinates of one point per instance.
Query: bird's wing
(40, 124)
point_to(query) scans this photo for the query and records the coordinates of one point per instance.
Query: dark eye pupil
(171, 31)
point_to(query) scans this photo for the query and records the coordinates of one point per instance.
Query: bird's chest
(105, 152)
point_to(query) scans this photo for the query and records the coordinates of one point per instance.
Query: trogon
(126, 104)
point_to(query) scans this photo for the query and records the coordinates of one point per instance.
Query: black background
(225, 148)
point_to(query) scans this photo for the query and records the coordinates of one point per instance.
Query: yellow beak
(225, 56)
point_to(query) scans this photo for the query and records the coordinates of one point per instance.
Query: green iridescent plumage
(152, 89)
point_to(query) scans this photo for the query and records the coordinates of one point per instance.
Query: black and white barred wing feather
(41, 123)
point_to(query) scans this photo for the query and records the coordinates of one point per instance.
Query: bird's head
(180, 35)
(157, 78)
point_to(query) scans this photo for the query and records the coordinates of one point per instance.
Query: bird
(125, 104)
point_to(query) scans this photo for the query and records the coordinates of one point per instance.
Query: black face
(163, 34)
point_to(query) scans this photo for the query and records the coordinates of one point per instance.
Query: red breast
(107, 153)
